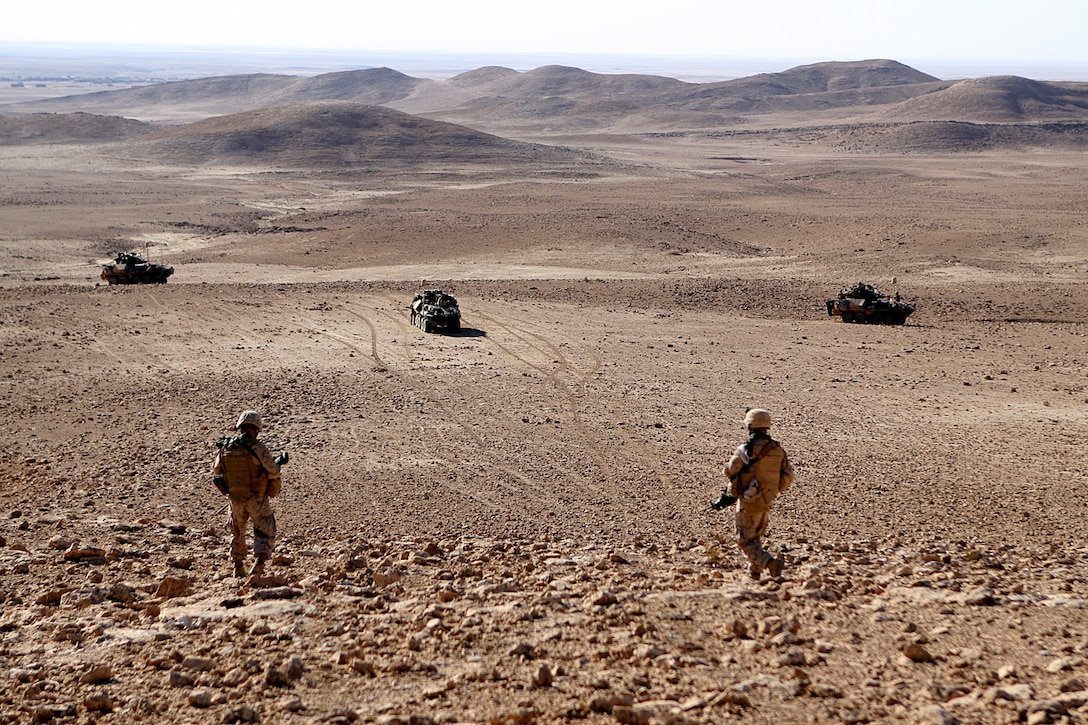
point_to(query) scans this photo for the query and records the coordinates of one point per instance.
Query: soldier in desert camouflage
(247, 473)
(758, 471)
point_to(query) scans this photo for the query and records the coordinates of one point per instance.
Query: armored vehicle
(434, 310)
(131, 268)
(863, 303)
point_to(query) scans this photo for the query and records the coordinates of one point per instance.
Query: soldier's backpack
(241, 468)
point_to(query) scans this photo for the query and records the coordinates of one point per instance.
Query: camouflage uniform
(755, 489)
(251, 479)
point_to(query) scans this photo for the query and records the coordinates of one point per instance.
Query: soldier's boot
(239, 568)
(775, 566)
(754, 571)
(258, 568)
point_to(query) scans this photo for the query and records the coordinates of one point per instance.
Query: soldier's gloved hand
(722, 502)
(282, 459)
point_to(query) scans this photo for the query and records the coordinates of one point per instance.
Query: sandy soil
(508, 525)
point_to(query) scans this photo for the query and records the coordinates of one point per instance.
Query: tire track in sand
(570, 394)
(370, 348)
(582, 377)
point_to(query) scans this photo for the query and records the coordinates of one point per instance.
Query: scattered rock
(523, 649)
(97, 675)
(60, 542)
(278, 592)
(275, 676)
(174, 527)
(99, 702)
(1018, 692)
(736, 695)
(171, 586)
(917, 653)
(294, 668)
(542, 677)
(982, 597)
(51, 598)
(244, 714)
(200, 664)
(177, 678)
(606, 703)
(936, 715)
(85, 554)
(386, 576)
(1061, 664)
(234, 677)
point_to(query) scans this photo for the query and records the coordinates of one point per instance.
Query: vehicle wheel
(848, 317)
(427, 326)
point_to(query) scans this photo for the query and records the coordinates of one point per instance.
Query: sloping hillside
(997, 99)
(846, 75)
(183, 101)
(179, 100)
(333, 134)
(67, 128)
(495, 90)
(375, 86)
(817, 86)
(954, 136)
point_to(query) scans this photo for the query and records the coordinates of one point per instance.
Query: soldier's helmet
(249, 417)
(757, 418)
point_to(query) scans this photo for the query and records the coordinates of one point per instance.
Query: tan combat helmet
(757, 418)
(249, 417)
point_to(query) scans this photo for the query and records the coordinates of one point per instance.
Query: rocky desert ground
(509, 524)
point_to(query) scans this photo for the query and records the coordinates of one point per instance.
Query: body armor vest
(242, 471)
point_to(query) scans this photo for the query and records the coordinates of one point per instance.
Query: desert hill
(188, 100)
(554, 101)
(997, 99)
(491, 89)
(79, 127)
(556, 80)
(824, 78)
(333, 134)
(176, 101)
(375, 86)
(942, 136)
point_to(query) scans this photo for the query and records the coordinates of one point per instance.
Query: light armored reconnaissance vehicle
(864, 303)
(131, 268)
(434, 310)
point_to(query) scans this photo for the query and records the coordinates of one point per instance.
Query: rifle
(722, 502)
(726, 499)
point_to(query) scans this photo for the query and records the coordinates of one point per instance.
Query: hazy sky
(817, 30)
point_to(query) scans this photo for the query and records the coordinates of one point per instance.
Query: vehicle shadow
(468, 332)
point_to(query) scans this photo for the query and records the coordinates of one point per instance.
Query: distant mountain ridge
(493, 102)
(485, 91)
